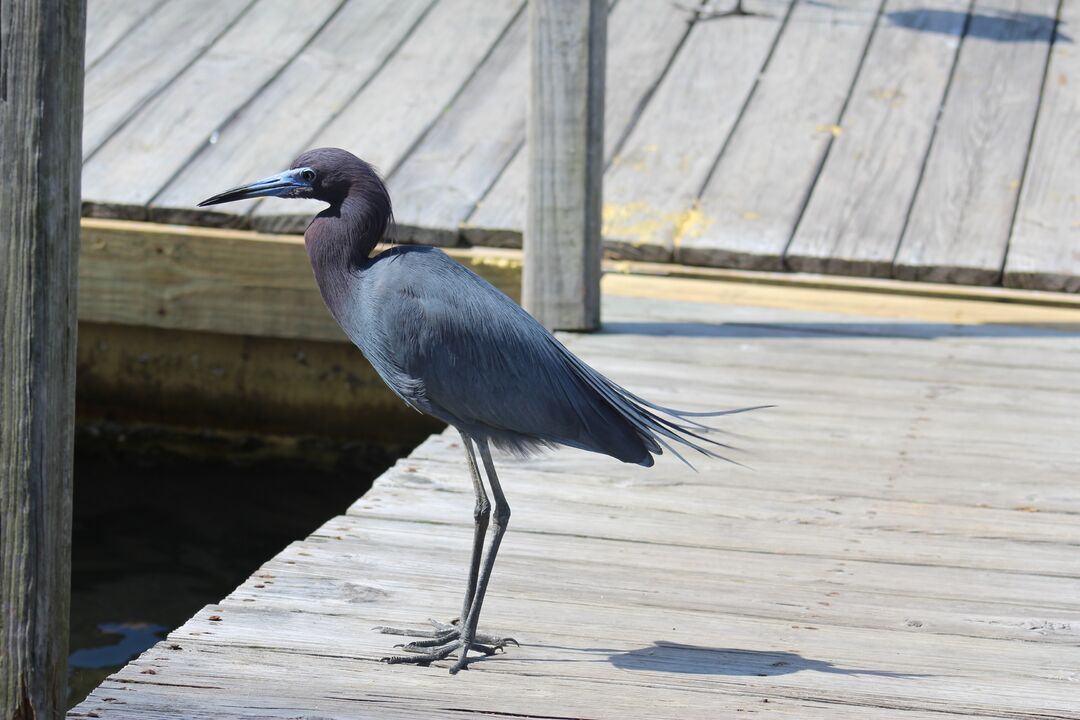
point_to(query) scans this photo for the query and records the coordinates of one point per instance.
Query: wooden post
(561, 280)
(41, 80)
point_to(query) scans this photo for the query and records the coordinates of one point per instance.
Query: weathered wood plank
(651, 188)
(241, 283)
(962, 216)
(147, 60)
(387, 118)
(443, 177)
(761, 184)
(267, 134)
(643, 35)
(561, 513)
(858, 204)
(245, 283)
(170, 128)
(561, 276)
(1044, 250)
(667, 668)
(238, 386)
(984, 593)
(41, 80)
(108, 21)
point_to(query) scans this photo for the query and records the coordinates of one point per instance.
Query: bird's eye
(308, 174)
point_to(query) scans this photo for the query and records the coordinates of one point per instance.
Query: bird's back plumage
(452, 345)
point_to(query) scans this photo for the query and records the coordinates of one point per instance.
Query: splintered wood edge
(502, 266)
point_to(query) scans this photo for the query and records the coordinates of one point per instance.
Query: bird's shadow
(669, 657)
(678, 658)
(996, 26)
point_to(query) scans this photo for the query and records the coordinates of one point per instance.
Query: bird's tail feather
(654, 430)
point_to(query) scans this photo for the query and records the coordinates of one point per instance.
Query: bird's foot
(440, 642)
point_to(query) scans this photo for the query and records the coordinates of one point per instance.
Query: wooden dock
(916, 139)
(903, 542)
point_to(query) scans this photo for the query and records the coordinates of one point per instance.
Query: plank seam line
(658, 543)
(247, 103)
(1025, 173)
(521, 147)
(517, 17)
(363, 86)
(731, 486)
(746, 103)
(131, 30)
(643, 103)
(829, 144)
(735, 687)
(476, 203)
(934, 138)
(165, 85)
(733, 611)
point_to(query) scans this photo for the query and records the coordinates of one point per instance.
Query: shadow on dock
(671, 657)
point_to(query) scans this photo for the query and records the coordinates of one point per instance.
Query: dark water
(158, 534)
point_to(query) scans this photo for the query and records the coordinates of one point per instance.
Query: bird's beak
(290, 183)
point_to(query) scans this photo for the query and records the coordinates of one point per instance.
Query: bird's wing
(454, 346)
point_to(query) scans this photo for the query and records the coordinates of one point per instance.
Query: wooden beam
(41, 81)
(227, 281)
(239, 282)
(567, 42)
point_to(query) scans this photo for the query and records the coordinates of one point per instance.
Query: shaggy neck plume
(340, 239)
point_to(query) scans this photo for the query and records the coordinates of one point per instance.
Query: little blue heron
(453, 346)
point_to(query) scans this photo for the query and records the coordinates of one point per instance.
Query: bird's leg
(444, 639)
(501, 520)
(481, 515)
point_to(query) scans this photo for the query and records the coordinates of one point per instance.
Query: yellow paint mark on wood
(641, 224)
(834, 130)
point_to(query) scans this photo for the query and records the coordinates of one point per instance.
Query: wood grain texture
(962, 216)
(169, 129)
(859, 203)
(568, 47)
(226, 281)
(896, 549)
(1044, 250)
(445, 175)
(109, 21)
(760, 185)
(147, 60)
(279, 124)
(407, 96)
(239, 282)
(41, 57)
(652, 186)
(643, 35)
(243, 385)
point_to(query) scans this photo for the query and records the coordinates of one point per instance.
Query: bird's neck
(339, 242)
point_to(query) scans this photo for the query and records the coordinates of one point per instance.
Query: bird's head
(327, 174)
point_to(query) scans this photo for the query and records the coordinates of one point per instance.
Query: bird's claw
(440, 642)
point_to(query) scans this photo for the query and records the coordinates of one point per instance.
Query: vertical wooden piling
(41, 81)
(561, 283)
